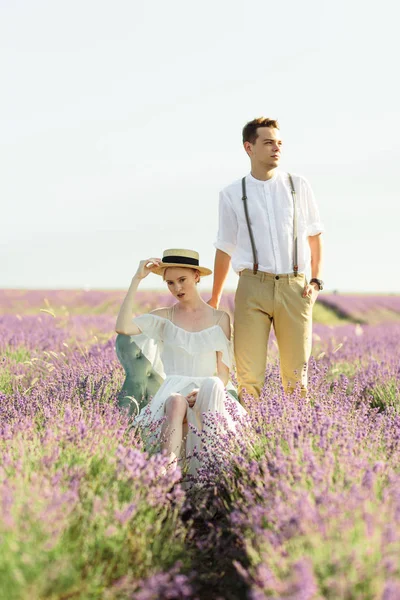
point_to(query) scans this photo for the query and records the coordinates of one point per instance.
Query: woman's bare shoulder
(222, 315)
(224, 321)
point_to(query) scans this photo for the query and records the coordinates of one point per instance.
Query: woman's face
(181, 282)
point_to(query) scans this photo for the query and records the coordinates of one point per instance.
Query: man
(269, 227)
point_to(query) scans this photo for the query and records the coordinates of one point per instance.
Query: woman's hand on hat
(147, 266)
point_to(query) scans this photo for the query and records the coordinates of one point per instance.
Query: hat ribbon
(183, 260)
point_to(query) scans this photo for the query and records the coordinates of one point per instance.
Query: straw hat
(181, 258)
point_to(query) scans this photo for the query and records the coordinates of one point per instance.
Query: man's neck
(262, 173)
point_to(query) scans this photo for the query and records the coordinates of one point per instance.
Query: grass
(17, 355)
(327, 316)
(386, 395)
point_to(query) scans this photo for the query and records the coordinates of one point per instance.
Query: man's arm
(315, 242)
(225, 244)
(314, 230)
(222, 263)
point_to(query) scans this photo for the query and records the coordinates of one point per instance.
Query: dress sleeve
(151, 325)
(313, 221)
(228, 226)
(225, 347)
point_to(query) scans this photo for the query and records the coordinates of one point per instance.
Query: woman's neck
(192, 305)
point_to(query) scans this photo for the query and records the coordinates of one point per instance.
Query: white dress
(189, 361)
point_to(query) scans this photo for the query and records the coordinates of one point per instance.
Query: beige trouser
(263, 299)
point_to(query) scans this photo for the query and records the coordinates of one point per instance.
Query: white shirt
(270, 206)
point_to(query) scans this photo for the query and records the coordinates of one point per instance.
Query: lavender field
(302, 503)
(364, 308)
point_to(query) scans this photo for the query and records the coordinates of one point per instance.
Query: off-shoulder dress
(189, 360)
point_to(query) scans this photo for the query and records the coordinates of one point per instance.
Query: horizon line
(209, 291)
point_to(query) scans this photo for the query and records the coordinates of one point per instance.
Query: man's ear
(247, 147)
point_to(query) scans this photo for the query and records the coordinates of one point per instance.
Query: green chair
(139, 357)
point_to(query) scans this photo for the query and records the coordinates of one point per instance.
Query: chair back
(140, 358)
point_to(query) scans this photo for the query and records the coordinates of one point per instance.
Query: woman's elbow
(127, 331)
(120, 331)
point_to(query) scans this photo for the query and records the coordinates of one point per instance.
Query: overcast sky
(121, 121)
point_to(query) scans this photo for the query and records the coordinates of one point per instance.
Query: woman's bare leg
(171, 432)
(210, 398)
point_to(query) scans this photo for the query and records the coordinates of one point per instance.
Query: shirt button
(277, 277)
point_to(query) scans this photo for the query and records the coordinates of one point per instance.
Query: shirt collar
(260, 181)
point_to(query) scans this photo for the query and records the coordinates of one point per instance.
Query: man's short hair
(250, 129)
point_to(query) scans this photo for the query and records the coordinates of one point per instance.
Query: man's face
(267, 148)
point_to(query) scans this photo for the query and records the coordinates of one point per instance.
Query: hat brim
(202, 270)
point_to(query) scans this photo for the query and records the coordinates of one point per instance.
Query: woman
(195, 352)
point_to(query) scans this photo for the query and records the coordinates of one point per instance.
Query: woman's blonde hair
(177, 267)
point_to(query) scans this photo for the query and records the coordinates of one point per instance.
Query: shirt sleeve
(313, 221)
(151, 325)
(228, 226)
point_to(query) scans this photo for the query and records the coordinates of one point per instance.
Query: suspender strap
(253, 246)
(295, 250)
(246, 212)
